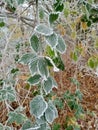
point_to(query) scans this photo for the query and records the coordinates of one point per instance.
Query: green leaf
(67, 9)
(73, 104)
(91, 62)
(55, 56)
(77, 127)
(70, 127)
(59, 62)
(61, 47)
(74, 56)
(42, 67)
(33, 67)
(35, 43)
(33, 80)
(44, 30)
(54, 66)
(41, 13)
(1, 82)
(50, 52)
(16, 117)
(78, 94)
(14, 70)
(38, 106)
(75, 81)
(58, 6)
(48, 62)
(59, 103)
(51, 112)
(2, 24)
(56, 126)
(27, 58)
(53, 17)
(52, 40)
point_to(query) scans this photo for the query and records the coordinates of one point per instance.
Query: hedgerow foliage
(33, 36)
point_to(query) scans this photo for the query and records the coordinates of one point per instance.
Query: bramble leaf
(35, 43)
(51, 112)
(38, 106)
(33, 80)
(61, 47)
(42, 68)
(53, 17)
(44, 30)
(52, 40)
(27, 58)
(16, 117)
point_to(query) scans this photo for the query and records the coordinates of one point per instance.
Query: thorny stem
(37, 22)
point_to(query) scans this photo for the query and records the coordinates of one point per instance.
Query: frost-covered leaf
(20, 109)
(51, 112)
(27, 58)
(49, 83)
(28, 125)
(16, 117)
(41, 120)
(42, 67)
(33, 67)
(38, 106)
(35, 43)
(33, 80)
(21, 1)
(7, 93)
(61, 47)
(53, 17)
(1, 126)
(44, 30)
(52, 40)
(7, 128)
(54, 83)
(44, 126)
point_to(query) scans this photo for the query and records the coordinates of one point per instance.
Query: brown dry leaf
(53, 97)
(78, 19)
(73, 35)
(17, 33)
(84, 25)
(23, 77)
(18, 87)
(72, 121)
(61, 29)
